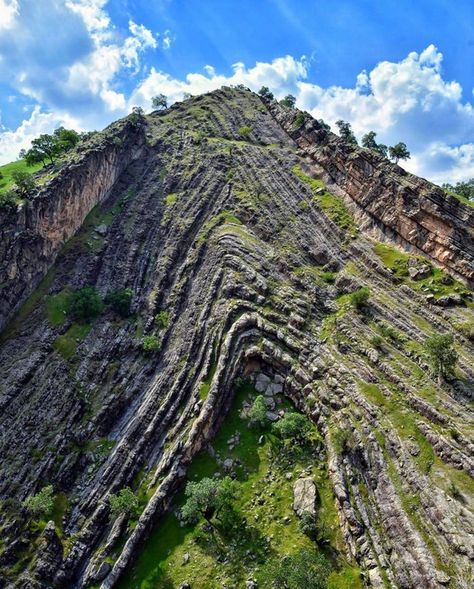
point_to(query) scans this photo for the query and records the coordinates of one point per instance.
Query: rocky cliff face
(251, 261)
(32, 236)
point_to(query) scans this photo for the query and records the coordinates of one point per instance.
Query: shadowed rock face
(219, 231)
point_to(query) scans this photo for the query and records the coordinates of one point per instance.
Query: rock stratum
(249, 227)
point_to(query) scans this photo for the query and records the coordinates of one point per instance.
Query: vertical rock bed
(218, 255)
(278, 482)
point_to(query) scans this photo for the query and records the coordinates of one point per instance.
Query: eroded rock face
(221, 234)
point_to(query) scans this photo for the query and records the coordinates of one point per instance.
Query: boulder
(304, 496)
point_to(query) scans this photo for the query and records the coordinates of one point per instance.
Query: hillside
(242, 231)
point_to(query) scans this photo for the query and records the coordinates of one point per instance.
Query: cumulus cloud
(8, 13)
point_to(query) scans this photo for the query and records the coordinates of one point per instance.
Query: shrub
(119, 300)
(24, 182)
(162, 319)
(299, 120)
(150, 344)
(40, 504)
(207, 497)
(84, 304)
(289, 101)
(376, 342)
(360, 298)
(292, 426)
(305, 569)
(245, 131)
(258, 413)
(442, 355)
(309, 526)
(124, 502)
(8, 200)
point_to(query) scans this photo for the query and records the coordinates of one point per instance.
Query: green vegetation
(360, 298)
(332, 205)
(463, 191)
(368, 141)
(56, 307)
(125, 502)
(292, 426)
(67, 343)
(265, 93)
(210, 498)
(345, 132)
(84, 304)
(261, 527)
(299, 120)
(289, 101)
(49, 147)
(41, 504)
(399, 152)
(442, 355)
(159, 102)
(304, 569)
(245, 131)
(7, 171)
(162, 319)
(150, 344)
(119, 301)
(257, 414)
(171, 198)
(398, 262)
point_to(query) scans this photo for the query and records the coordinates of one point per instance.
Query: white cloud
(8, 13)
(39, 122)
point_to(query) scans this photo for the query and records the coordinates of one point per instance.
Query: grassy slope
(268, 527)
(7, 170)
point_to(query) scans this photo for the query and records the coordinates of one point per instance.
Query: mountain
(259, 252)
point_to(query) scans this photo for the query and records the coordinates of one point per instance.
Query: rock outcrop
(215, 232)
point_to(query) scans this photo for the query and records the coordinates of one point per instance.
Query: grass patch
(6, 171)
(56, 307)
(266, 526)
(332, 205)
(67, 343)
(170, 199)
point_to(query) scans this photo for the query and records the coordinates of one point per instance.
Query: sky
(402, 68)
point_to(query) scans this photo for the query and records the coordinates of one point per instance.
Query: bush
(40, 504)
(245, 131)
(305, 569)
(24, 182)
(208, 497)
(289, 101)
(150, 344)
(119, 300)
(162, 319)
(292, 426)
(124, 502)
(84, 304)
(376, 342)
(309, 526)
(299, 120)
(8, 200)
(360, 298)
(258, 413)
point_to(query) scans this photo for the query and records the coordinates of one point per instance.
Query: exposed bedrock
(220, 234)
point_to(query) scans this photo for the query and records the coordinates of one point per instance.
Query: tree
(66, 138)
(150, 344)
(84, 304)
(159, 102)
(324, 125)
(257, 414)
(464, 189)
(399, 152)
(292, 426)
(8, 199)
(43, 148)
(40, 504)
(360, 297)
(24, 183)
(345, 132)
(305, 569)
(265, 93)
(288, 101)
(382, 149)
(125, 502)
(368, 140)
(208, 497)
(120, 300)
(187, 95)
(442, 356)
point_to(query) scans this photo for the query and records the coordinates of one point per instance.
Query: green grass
(8, 169)
(56, 307)
(170, 199)
(261, 529)
(332, 205)
(67, 343)
(397, 261)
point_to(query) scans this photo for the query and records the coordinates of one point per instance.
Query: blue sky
(402, 68)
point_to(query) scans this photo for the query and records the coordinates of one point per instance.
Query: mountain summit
(232, 244)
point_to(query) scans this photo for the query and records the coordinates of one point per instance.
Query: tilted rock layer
(221, 229)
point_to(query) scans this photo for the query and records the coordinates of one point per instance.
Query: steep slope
(210, 213)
